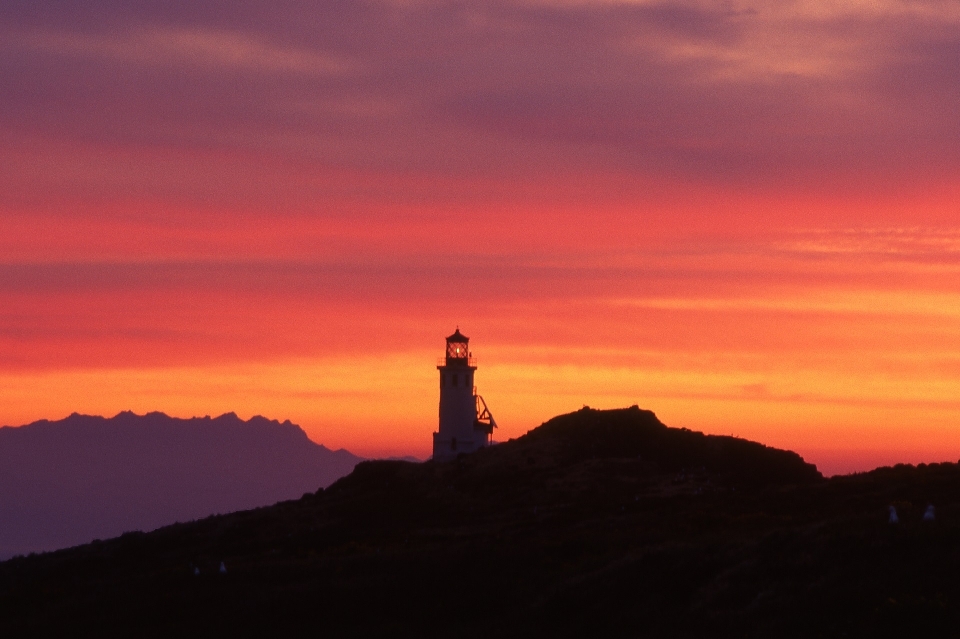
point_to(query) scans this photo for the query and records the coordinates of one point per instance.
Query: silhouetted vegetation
(598, 523)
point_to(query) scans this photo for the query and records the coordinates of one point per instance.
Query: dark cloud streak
(457, 90)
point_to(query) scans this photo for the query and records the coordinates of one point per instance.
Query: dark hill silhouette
(618, 454)
(598, 523)
(591, 434)
(71, 481)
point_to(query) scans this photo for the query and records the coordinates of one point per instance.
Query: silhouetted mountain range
(71, 481)
(597, 523)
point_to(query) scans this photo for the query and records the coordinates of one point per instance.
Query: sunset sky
(744, 216)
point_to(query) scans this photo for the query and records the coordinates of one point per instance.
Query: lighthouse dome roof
(458, 337)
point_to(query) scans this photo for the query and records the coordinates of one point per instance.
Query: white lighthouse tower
(465, 422)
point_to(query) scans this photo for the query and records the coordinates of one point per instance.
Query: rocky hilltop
(597, 523)
(587, 455)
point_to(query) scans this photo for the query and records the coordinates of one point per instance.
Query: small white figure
(223, 568)
(196, 571)
(929, 515)
(893, 516)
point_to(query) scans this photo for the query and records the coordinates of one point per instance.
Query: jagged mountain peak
(85, 476)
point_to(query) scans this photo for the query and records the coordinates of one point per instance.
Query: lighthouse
(466, 424)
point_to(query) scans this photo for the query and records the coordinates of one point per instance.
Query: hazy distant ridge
(85, 477)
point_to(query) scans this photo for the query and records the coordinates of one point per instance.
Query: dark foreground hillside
(598, 523)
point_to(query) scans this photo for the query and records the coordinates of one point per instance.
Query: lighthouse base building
(466, 424)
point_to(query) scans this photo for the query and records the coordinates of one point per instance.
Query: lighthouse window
(455, 379)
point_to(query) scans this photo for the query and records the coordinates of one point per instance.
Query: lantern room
(458, 349)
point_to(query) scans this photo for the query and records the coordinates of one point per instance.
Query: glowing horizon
(743, 218)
